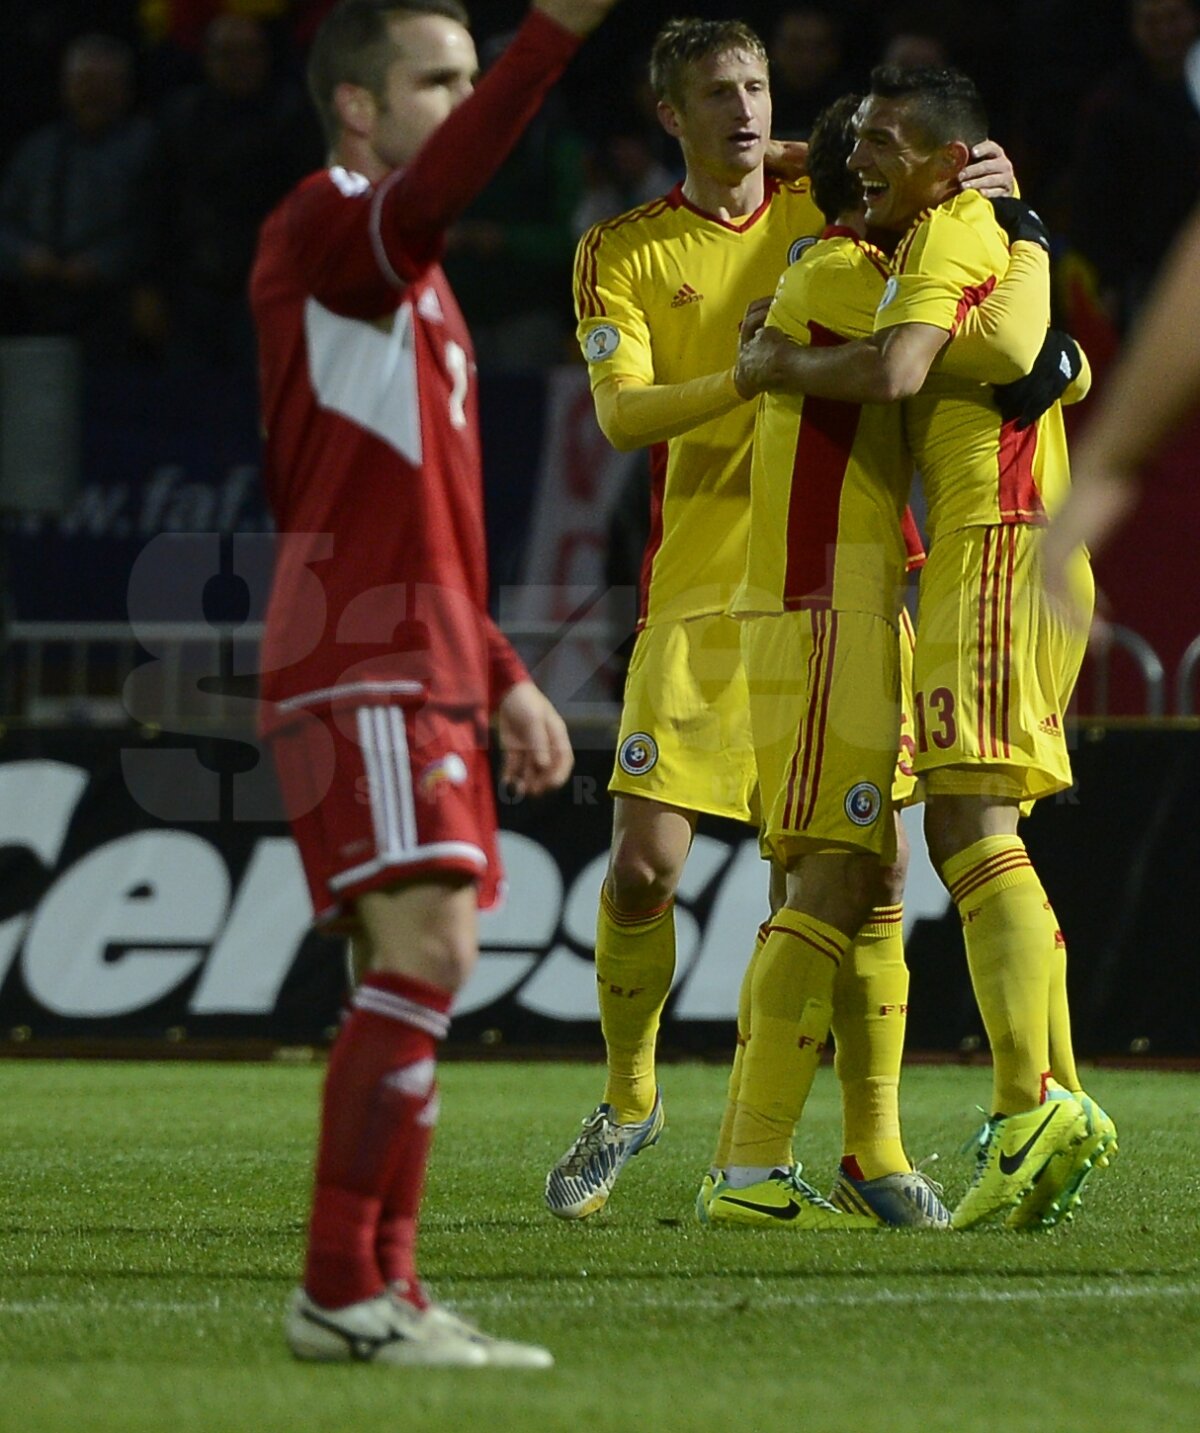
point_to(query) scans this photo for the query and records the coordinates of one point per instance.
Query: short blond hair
(681, 43)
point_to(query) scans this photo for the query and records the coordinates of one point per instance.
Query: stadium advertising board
(150, 890)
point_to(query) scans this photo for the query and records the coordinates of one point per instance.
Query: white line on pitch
(580, 1298)
(755, 1298)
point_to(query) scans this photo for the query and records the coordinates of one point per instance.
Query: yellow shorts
(685, 724)
(906, 789)
(995, 667)
(825, 709)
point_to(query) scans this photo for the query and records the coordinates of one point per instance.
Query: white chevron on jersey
(367, 375)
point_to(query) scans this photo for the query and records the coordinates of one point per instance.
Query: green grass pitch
(151, 1221)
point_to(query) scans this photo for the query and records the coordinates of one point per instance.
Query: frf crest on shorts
(863, 803)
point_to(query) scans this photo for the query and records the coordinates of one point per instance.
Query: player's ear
(668, 118)
(954, 158)
(356, 108)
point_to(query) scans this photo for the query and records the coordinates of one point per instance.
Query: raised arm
(464, 152)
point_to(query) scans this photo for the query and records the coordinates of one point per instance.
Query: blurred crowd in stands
(143, 141)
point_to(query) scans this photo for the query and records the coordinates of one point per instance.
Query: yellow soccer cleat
(704, 1197)
(1056, 1196)
(1015, 1153)
(783, 1200)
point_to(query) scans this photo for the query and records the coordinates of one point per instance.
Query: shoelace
(806, 1191)
(981, 1143)
(596, 1134)
(982, 1136)
(926, 1179)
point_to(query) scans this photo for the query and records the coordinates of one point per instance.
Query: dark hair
(945, 104)
(835, 187)
(682, 42)
(353, 46)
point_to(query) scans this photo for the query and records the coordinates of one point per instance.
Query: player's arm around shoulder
(947, 263)
(825, 296)
(998, 340)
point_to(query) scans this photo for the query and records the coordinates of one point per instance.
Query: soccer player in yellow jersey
(819, 607)
(660, 292)
(994, 668)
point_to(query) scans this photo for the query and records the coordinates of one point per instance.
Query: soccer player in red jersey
(380, 664)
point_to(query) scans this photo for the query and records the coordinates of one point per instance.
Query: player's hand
(990, 171)
(1062, 600)
(757, 359)
(534, 739)
(1054, 369)
(579, 16)
(786, 158)
(1022, 224)
(1101, 497)
(753, 319)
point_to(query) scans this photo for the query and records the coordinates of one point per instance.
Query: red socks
(378, 1112)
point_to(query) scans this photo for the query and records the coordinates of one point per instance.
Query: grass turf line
(151, 1222)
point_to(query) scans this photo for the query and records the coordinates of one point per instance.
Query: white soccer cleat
(501, 1352)
(581, 1181)
(392, 1331)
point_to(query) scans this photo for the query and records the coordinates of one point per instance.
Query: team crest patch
(601, 343)
(863, 803)
(448, 770)
(799, 247)
(638, 753)
(890, 290)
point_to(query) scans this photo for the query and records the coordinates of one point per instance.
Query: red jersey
(372, 459)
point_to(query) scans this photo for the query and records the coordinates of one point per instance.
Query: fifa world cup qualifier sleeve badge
(601, 343)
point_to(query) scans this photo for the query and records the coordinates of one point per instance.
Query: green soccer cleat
(1015, 1153)
(704, 1197)
(581, 1181)
(1055, 1197)
(783, 1200)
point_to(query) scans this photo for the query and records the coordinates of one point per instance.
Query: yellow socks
(725, 1134)
(870, 1011)
(635, 964)
(1062, 1052)
(1010, 950)
(791, 1000)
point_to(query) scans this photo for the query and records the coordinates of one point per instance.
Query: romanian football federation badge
(863, 803)
(638, 753)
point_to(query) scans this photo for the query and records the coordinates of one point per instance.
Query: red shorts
(378, 793)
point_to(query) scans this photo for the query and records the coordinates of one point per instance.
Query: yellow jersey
(829, 480)
(976, 470)
(660, 293)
